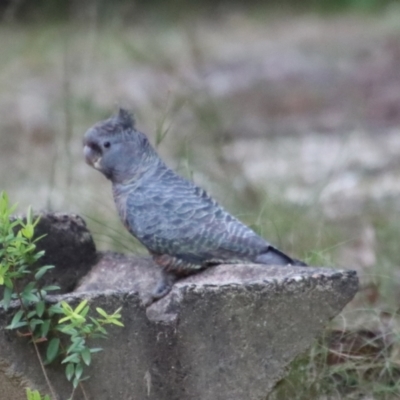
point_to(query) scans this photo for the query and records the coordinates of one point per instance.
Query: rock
(68, 245)
(116, 271)
(225, 334)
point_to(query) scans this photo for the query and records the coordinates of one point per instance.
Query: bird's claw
(162, 289)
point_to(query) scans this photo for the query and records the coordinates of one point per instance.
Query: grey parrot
(183, 228)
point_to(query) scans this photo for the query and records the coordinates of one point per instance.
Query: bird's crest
(126, 119)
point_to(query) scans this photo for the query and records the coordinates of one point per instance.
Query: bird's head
(117, 149)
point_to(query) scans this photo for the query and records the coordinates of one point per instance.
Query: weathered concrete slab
(225, 334)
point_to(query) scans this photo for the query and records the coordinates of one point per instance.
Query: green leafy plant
(35, 395)
(75, 325)
(63, 329)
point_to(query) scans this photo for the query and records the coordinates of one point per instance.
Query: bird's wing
(175, 217)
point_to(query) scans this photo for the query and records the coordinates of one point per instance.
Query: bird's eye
(106, 144)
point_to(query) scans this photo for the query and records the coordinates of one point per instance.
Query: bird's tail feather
(274, 256)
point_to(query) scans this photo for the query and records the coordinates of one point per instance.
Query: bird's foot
(162, 289)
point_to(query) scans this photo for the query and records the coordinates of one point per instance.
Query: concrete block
(225, 334)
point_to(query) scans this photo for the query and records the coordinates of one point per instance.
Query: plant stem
(39, 357)
(53, 393)
(83, 391)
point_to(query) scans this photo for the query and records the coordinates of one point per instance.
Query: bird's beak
(91, 157)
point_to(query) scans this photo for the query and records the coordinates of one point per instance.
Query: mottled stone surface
(225, 334)
(120, 272)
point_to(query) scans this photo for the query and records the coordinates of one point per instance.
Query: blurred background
(287, 112)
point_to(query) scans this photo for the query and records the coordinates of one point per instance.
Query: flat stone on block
(127, 273)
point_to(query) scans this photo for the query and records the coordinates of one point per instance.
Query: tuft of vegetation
(345, 364)
(35, 395)
(63, 330)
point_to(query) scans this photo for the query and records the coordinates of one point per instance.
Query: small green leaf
(8, 282)
(76, 346)
(102, 330)
(27, 231)
(29, 394)
(84, 312)
(98, 336)
(14, 224)
(12, 208)
(88, 329)
(115, 322)
(96, 349)
(29, 297)
(50, 288)
(55, 309)
(29, 249)
(101, 312)
(65, 319)
(75, 382)
(73, 358)
(17, 325)
(95, 321)
(29, 287)
(29, 215)
(44, 329)
(7, 297)
(52, 349)
(33, 395)
(34, 322)
(69, 371)
(76, 320)
(36, 221)
(81, 306)
(86, 356)
(66, 308)
(16, 319)
(67, 329)
(42, 270)
(78, 370)
(117, 312)
(40, 308)
(39, 254)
